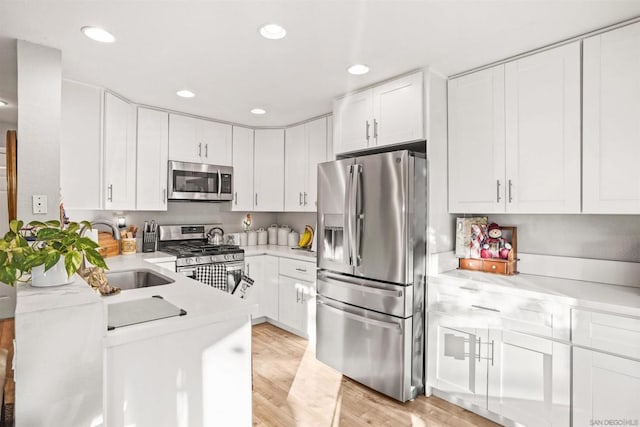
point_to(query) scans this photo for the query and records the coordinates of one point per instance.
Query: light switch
(39, 204)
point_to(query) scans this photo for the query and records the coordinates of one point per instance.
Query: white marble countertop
(280, 251)
(591, 295)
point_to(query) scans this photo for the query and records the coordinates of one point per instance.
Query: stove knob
(228, 257)
(201, 260)
(190, 260)
(212, 259)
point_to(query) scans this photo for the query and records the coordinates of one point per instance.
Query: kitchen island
(191, 370)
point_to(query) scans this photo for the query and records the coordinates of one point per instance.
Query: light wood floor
(291, 388)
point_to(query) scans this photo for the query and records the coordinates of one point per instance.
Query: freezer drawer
(371, 348)
(386, 298)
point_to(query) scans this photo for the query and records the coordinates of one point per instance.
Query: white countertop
(597, 296)
(280, 251)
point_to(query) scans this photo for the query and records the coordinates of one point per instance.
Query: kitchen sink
(133, 279)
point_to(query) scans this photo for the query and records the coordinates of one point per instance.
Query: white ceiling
(213, 48)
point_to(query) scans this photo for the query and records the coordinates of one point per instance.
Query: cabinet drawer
(494, 267)
(471, 264)
(298, 269)
(607, 332)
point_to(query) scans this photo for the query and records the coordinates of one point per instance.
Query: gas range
(189, 245)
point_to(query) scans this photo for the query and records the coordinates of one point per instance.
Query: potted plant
(55, 255)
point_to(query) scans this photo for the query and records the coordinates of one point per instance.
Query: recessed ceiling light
(358, 69)
(272, 31)
(259, 111)
(98, 34)
(185, 93)
(3, 103)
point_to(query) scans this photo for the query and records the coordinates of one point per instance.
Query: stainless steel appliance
(372, 271)
(199, 182)
(190, 245)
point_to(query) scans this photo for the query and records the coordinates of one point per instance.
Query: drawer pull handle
(301, 270)
(468, 289)
(479, 307)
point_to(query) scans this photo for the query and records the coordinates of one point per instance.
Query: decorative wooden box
(507, 266)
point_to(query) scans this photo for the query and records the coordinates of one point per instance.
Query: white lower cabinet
(477, 359)
(296, 305)
(263, 270)
(605, 388)
(529, 379)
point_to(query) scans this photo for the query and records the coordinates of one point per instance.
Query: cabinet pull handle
(297, 295)
(375, 130)
(164, 196)
(497, 191)
(479, 348)
(110, 196)
(492, 352)
(256, 199)
(248, 269)
(200, 149)
(301, 269)
(510, 198)
(300, 199)
(305, 198)
(235, 197)
(367, 130)
(479, 307)
(206, 151)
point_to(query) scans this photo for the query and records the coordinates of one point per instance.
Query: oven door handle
(362, 319)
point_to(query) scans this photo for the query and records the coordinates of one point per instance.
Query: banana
(309, 229)
(306, 239)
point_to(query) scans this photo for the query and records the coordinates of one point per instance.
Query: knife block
(149, 241)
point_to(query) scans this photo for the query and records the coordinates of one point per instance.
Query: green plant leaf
(73, 227)
(3, 258)
(95, 258)
(34, 259)
(49, 234)
(15, 225)
(37, 224)
(72, 261)
(86, 224)
(9, 236)
(51, 259)
(8, 275)
(85, 242)
(53, 223)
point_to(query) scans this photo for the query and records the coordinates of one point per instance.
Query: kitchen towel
(214, 275)
(244, 287)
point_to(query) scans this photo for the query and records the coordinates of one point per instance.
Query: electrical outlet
(39, 204)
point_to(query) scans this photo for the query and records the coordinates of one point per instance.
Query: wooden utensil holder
(507, 267)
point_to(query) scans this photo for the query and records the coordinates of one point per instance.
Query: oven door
(234, 273)
(198, 181)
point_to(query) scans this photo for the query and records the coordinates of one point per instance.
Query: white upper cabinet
(514, 136)
(243, 194)
(199, 141)
(80, 138)
(476, 142)
(398, 114)
(295, 171)
(152, 159)
(387, 114)
(268, 179)
(119, 154)
(305, 147)
(611, 113)
(543, 132)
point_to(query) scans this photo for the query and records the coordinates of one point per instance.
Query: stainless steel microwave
(199, 182)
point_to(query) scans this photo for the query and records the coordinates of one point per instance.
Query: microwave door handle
(219, 183)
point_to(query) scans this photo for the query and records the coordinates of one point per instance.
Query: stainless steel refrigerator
(372, 271)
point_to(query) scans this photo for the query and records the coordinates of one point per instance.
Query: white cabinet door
(254, 268)
(460, 367)
(353, 122)
(289, 302)
(216, 142)
(269, 297)
(268, 179)
(183, 139)
(529, 379)
(477, 142)
(307, 310)
(152, 160)
(398, 111)
(611, 113)
(316, 135)
(119, 154)
(81, 146)
(242, 169)
(605, 387)
(542, 107)
(296, 168)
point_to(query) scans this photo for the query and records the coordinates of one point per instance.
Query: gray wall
(4, 127)
(39, 103)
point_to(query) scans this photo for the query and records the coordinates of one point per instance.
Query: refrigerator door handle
(378, 323)
(349, 199)
(355, 217)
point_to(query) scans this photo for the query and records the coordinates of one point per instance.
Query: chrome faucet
(114, 230)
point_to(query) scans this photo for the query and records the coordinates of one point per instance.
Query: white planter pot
(55, 276)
